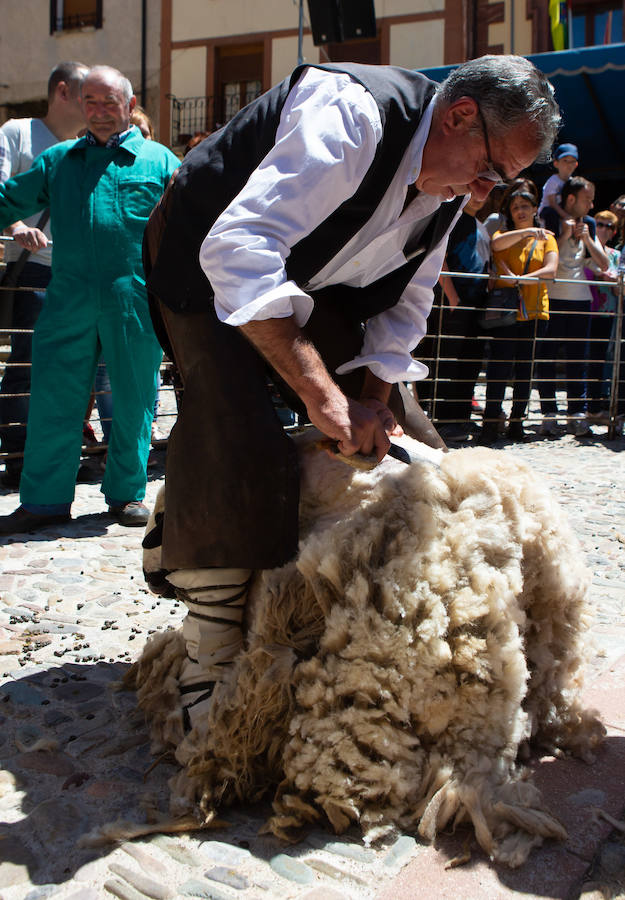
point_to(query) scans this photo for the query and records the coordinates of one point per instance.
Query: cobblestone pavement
(74, 613)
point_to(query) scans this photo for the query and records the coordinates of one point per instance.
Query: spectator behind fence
(498, 219)
(603, 309)
(453, 346)
(100, 190)
(523, 247)
(569, 305)
(618, 208)
(565, 161)
(197, 138)
(21, 140)
(140, 118)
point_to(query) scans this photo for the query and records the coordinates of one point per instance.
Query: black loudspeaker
(333, 21)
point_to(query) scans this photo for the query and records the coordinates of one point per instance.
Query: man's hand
(356, 427)
(385, 415)
(580, 231)
(29, 238)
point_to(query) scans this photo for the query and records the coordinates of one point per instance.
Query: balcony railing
(192, 114)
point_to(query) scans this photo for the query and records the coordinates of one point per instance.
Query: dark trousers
(511, 361)
(456, 365)
(16, 380)
(567, 334)
(597, 387)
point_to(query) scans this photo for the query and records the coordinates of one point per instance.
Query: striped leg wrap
(215, 600)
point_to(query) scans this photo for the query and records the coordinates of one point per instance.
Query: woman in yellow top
(511, 357)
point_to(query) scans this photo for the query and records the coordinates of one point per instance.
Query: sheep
(431, 627)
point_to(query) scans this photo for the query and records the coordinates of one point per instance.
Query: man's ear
(132, 103)
(460, 116)
(62, 90)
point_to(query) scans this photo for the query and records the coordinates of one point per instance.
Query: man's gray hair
(509, 91)
(115, 75)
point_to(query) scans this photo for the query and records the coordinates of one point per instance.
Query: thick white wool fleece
(432, 622)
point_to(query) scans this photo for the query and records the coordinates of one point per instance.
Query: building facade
(216, 55)
(35, 35)
(194, 63)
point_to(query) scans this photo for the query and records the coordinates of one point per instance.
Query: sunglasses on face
(606, 225)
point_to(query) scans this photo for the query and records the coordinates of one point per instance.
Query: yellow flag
(558, 33)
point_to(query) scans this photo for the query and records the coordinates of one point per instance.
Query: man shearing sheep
(305, 238)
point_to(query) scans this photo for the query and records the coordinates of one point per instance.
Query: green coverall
(100, 199)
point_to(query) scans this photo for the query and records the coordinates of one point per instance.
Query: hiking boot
(550, 429)
(578, 426)
(489, 434)
(21, 521)
(132, 514)
(516, 432)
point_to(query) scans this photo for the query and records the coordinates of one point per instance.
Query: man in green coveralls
(100, 190)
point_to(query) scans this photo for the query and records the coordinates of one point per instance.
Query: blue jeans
(14, 409)
(104, 399)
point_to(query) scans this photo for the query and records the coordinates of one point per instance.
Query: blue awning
(590, 88)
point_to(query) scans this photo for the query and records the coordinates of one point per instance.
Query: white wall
(284, 56)
(188, 72)
(28, 51)
(418, 44)
(218, 18)
(385, 8)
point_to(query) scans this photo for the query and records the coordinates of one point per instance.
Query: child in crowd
(565, 161)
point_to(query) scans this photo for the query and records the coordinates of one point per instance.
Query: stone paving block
(323, 893)
(227, 876)
(606, 694)
(224, 853)
(203, 889)
(292, 869)
(145, 885)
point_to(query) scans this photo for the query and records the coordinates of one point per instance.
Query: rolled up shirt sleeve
(393, 334)
(325, 143)
(5, 158)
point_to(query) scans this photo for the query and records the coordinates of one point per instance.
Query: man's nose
(481, 188)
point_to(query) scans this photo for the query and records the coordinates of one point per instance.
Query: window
(238, 79)
(68, 14)
(597, 23)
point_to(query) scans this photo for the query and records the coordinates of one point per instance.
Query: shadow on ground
(92, 768)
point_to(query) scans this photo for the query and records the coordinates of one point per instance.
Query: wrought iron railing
(190, 115)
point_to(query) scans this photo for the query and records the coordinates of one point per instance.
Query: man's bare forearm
(285, 348)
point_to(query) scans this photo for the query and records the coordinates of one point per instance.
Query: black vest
(214, 172)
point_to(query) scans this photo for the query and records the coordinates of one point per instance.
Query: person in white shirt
(569, 311)
(21, 140)
(307, 235)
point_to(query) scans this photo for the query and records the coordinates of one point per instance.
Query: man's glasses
(490, 173)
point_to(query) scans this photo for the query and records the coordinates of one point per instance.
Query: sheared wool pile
(432, 623)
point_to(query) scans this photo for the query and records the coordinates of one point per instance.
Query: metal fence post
(616, 370)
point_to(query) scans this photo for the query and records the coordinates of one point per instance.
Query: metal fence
(600, 355)
(433, 392)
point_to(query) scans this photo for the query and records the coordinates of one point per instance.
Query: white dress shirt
(325, 143)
